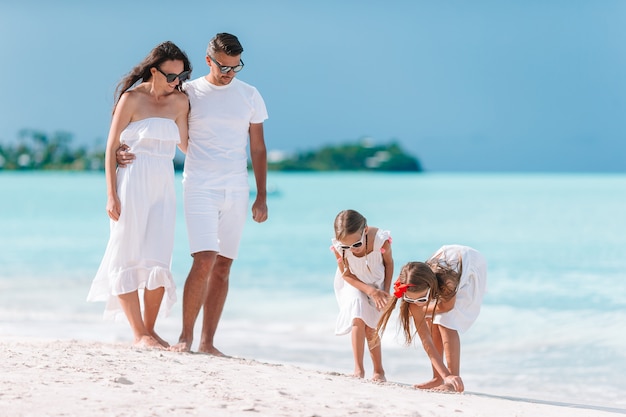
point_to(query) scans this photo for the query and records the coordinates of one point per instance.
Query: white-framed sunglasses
(421, 300)
(355, 245)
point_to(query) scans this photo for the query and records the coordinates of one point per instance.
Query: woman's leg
(152, 303)
(132, 309)
(358, 346)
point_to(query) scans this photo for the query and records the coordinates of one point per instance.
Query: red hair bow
(399, 288)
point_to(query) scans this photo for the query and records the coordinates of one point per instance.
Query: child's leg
(358, 346)
(373, 342)
(152, 303)
(132, 309)
(452, 349)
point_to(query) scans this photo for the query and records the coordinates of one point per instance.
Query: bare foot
(358, 374)
(379, 377)
(435, 382)
(181, 346)
(147, 342)
(160, 340)
(445, 388)
(211, 350)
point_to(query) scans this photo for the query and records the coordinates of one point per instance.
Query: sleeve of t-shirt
(259, 111)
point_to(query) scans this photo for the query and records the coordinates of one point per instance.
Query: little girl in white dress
(362, 281)
(441, 298)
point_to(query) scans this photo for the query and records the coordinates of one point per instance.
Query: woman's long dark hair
(166, 51)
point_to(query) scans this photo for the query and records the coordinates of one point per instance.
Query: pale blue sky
(523, 85)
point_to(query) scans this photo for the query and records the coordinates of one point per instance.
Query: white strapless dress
(139, 252)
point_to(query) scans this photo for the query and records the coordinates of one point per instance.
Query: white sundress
(352, 302)
(471, 289)
(139, 252)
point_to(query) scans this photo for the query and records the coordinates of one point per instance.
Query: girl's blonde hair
(436, 274)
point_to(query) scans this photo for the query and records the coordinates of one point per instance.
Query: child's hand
(455, 382)
(379, 297)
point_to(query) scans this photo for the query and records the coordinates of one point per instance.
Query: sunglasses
(225, 69)
(172, 77)
(421, 300)
(355, 245)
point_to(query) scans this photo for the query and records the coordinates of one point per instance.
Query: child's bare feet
(433, 383)
(445, 388)
(359, 373)
(379, 377)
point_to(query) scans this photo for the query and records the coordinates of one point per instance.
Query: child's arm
(388, 262)
(429, 346)
(379, 297)
(447, 298)
(445, 305)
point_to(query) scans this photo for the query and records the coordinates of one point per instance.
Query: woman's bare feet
(160, 340)
(147, 342)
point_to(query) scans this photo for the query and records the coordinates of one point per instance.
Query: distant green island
(36, 150)
(363, 155)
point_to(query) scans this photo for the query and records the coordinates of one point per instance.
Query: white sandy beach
(75, 378)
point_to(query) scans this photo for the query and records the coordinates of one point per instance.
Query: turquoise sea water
(553, 322)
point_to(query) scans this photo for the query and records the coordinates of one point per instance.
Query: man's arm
(258, 155)
(124, 156)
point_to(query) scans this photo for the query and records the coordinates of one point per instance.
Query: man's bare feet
(211, 350)
(435, 382)
(147, 342)
(379, 377)
(181, 346)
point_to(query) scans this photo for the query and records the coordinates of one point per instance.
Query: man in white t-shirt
(224, 113)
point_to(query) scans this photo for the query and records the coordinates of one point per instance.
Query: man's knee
(204, 261)
(221, 269)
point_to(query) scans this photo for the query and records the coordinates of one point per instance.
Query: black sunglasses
(172, 77)
(225, 69)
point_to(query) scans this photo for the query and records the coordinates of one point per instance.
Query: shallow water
(553, 320)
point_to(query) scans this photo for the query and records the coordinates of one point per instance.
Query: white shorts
(215, 219)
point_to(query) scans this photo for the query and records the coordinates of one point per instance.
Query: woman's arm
(121, 118)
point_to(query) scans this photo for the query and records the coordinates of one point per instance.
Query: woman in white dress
(149, 115)
(443, 297)
(362, 281)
